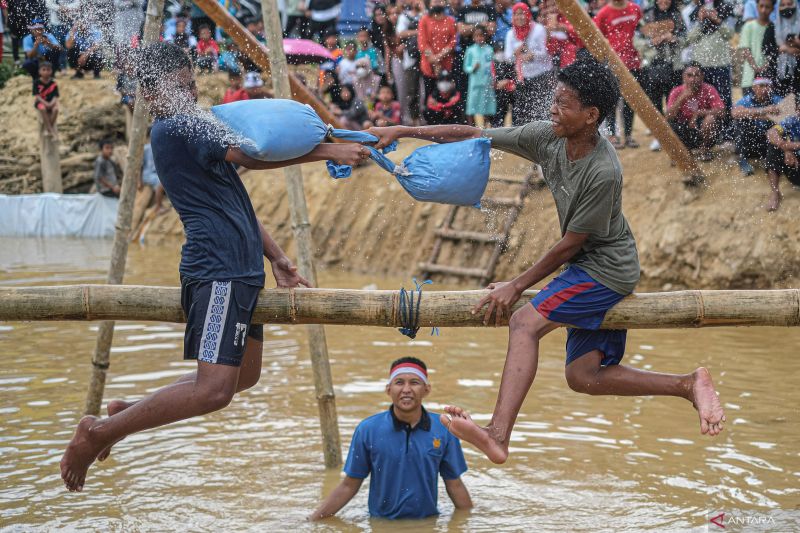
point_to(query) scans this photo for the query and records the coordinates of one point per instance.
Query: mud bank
(719, 237)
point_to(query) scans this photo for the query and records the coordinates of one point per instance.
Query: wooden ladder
(447, 232)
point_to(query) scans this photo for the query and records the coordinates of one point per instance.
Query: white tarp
(57, 215)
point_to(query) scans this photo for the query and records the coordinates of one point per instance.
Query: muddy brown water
(578, 462)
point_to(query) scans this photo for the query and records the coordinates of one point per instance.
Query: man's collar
(423, 424)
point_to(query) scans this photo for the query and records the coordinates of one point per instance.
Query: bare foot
(705, 400)
(774, 201)
(460, 424)
(114, 407)
(79, 456)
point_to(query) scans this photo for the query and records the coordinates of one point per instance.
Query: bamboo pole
(256, 51)
(659, 310)
(323, 381)
(50, 161)
(629, 87)
(119, 252)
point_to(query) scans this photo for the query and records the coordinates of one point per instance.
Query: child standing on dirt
(222, 261)
(583, 173)
(45, 96)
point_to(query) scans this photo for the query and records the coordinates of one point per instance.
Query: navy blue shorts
(218, 316)
(576, 299)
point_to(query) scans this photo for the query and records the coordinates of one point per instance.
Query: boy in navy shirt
(222, 266)
(404, 449)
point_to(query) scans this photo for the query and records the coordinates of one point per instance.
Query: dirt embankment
(717, 238)
(720, 237)
(89, 111)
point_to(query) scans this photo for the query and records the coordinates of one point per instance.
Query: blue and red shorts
(576, 299)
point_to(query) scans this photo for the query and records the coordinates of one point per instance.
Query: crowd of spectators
(717, 69)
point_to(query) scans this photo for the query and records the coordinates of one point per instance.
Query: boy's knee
(216, 399)
(579, 379)
(527, 319)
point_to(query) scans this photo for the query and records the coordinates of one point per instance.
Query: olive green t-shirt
(588, 196)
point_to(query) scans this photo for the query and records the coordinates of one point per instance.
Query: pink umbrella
(300, 51)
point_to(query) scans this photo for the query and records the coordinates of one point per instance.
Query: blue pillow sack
(279, 130)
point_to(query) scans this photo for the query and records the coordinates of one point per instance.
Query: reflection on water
(578, 462)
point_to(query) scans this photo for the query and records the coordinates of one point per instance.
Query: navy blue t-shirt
(223, 241)
(405, 463)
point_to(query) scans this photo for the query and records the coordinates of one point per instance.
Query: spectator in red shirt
(436, 38)
(207, 50)
(235, 91)
(618, 21)
(562, 41)
(695, 111)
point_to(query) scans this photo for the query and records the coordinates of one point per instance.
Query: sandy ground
(717, 237)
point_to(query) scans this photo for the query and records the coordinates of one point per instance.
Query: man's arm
(774, 137)
(447, 133)
(458, 493)
(505, 295)
(341, 153)
(285, 272)
(338, 498)
(740, 112)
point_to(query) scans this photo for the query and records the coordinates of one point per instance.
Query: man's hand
(502, 298)
(791, 159)
(386, 136)
(347, 153)
(286, 276)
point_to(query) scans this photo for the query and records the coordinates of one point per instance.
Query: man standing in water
(583, 173)
(222, 265)
(404, 450)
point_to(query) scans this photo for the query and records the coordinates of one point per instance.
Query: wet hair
(412, 360)
(104, 142)
(595, 84)
(156, 61)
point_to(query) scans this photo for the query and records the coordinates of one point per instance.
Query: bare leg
(775, 196)
(249, 374)
(526, 327)
(587, 376)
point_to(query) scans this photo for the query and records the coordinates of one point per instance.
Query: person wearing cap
(404, 449)
(751, 121)
(39, 45)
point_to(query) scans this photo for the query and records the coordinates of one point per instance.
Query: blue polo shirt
(405, 463)
(750, 102)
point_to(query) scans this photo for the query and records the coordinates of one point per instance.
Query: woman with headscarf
(526, 48)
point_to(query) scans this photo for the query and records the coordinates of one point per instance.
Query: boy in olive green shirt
(584, 175)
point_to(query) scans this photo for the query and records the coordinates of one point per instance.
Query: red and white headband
(408, 368)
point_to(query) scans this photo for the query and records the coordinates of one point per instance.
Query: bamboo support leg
(323, 382)
(51, 161)
(119, 252)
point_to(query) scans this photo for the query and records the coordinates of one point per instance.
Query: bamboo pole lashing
(259, 54)
(119, 251)
(301, 226)
(633, 93)
(679, 309)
